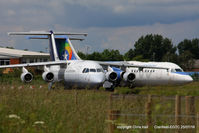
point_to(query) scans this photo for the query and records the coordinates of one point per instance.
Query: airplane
(67, 66)
(173, 75)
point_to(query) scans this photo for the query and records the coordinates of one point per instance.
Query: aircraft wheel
(131, 86)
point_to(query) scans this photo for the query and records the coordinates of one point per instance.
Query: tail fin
(65, 49)
(60, 46)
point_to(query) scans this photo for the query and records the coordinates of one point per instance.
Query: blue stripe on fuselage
(183, 73)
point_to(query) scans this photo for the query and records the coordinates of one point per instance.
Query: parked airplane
(66, 65)
(172, 75)
(153, 74)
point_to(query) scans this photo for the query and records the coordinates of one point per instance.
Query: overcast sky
(112, 24)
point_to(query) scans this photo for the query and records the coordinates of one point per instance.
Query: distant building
(14, 56)
(195, 66)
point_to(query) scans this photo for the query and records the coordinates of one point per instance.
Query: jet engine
(26, 76)
(129, 76)
(48, 76)
(119, 72)
(111, 76)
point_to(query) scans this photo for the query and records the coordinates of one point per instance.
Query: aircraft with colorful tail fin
(67, 66)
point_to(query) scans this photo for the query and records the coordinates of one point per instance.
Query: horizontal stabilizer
(80, 39)
(45, 33)
(34, 37)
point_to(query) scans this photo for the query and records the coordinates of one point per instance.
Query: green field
(25, 109)
(191, 89)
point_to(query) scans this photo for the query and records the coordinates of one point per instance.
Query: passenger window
(92, 70)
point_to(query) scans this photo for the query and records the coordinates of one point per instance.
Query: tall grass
(54, 111)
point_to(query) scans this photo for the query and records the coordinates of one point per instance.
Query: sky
(110, 24)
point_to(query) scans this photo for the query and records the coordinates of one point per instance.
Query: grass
(59, 110)
(23, 109)
(191, 89)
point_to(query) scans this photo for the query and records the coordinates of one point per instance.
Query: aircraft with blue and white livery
(67, 66)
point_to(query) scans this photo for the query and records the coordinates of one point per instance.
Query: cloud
(89, 13)
(110, 23)
(124, 38)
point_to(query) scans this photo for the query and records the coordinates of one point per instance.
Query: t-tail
(60, 46)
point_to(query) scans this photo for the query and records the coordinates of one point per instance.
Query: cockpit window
(92, 70)
(99, 70)
(178, 70)
(86, 70)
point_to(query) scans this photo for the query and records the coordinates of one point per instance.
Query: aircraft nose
(188, 79)
(99, 79)
(183, 79)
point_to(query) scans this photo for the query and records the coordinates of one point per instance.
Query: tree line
(153, 47)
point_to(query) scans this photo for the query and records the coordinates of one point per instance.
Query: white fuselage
(159, 76)
(80, 74)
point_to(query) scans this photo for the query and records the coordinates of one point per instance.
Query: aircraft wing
(36, 64)
(108, 63)
(126, 64)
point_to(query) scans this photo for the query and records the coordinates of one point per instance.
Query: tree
(153, 47)
(129, 55)
(189, 45)
(140, 58)
(185, 60)
(94, 56)
(82, 55)
(170, 57)
(111, 55)
(106, 55)
(10, 47)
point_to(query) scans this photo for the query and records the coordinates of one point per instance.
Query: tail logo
(67, 53)
(65, 50)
